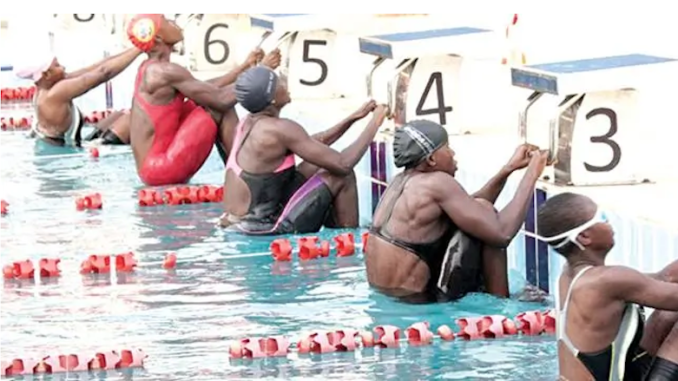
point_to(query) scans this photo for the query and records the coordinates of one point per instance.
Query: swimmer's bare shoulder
(442, 185)
(160, 74)
(630, 285)
(163, 75)
(289, 129)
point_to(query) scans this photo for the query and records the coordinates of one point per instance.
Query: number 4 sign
(433, 91)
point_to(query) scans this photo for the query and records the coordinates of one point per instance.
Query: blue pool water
(185, 320)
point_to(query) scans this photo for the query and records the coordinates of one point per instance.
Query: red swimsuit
(185, 134)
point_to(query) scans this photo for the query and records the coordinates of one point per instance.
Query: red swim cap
(142, 30)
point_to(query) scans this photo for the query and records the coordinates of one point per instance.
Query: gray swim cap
(255, 88)
(416, 141)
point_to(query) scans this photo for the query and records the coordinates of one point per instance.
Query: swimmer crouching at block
(58, 121)
(173, 136)
(601, 332)
(430, 240)
(265, 192)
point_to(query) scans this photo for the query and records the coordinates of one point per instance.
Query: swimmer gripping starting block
(612, 142)
(319, 53)
(417, 72)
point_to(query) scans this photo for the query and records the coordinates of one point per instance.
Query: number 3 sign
(605, 141)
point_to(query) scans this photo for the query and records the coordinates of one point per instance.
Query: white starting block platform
(589, 75)
(319, 53)
(409, 44)
(425, 74)
(601, 118)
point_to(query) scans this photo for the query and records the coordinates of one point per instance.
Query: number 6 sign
(214, 42)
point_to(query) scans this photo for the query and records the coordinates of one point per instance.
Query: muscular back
(259, 151)
(154, 89)
(262, 150)
(416, 216)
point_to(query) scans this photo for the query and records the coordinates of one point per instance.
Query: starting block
(417, 73)
(319, 53)
(597, 132)
(214, 42)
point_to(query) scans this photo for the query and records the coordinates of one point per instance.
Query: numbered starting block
(214, 42)
(417, 73)
(319, 53)
(588, 114)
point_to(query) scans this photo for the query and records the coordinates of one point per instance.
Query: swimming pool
(186, 320)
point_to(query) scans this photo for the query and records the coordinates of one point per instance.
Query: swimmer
(265, 192)
(58, 120)
(430, 240)
(173, 136)
(602, 334)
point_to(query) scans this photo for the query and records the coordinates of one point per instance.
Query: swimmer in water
(602, 334)
(58, 120)
(265, 192)
(173, 136)
(430, 240)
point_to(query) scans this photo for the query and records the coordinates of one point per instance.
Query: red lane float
(4, 207)
(178, 195)
(89, 202)
(170, 261)
(389, 336)
(47, 267)
(101, 264)
(19, 94)
(16, 123)
(24, 122)
(105, 360)
(309, 248)
(94, 264)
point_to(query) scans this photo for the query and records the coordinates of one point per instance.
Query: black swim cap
(416, 141)
(255, 88)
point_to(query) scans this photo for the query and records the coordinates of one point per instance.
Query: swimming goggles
(572, 234)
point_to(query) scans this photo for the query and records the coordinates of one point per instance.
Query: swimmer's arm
(202, 93)
(229, 77)
(493, 188)
(627, 284)
(87, 69)
(668, 273)
(297, 140)
(71, 88)
(331, 135)
(496, 229)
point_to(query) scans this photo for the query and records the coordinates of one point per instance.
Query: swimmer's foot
(532, 294)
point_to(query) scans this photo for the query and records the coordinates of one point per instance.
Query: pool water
(186, 319)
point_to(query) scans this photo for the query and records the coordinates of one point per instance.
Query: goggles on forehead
(572, 234)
